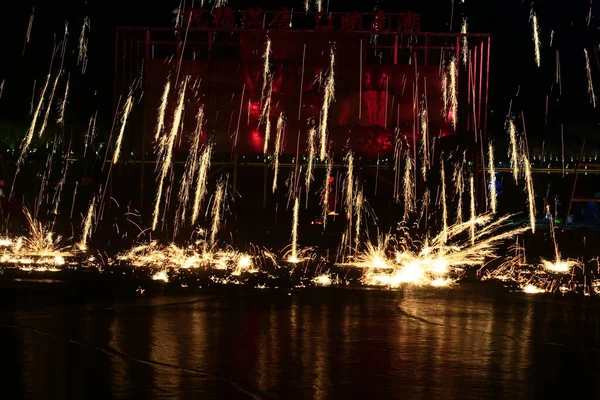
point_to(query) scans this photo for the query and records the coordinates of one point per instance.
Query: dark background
(513, 69)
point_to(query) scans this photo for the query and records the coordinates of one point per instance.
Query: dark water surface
(462, 343)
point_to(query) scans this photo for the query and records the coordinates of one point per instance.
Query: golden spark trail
(397, 165)
(294, 251)
(326, 192)
(27, 140)
(278, 141)
(91, 132)
(311, 156)
(424, 144)
(358, 207)
(61, 183)
(160, 124)
(83, 45)
(453, 72)
(201, 181)
(63, 105)
(444, 205)
(460, 189)
(216, 211)
(473, 212)
(265, 114)
(48, 108)
(530, 194)
(492, 172)
(409, 187)
(29, 27)
(536, 37)
(444, 94)
(514, 152)
(328, 98)
(87, 227)
(266, 69)
(126, 110)
(349, 192)
(306, 5)
(465, 43)
(267, 118)
(191, 166)
(167, 150)
(588, 71)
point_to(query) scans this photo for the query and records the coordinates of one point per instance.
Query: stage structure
(387, 72)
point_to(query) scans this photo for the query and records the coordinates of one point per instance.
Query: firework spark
(473, 211)
(444, 205)
(83, 45)
(459, 183)
(465, 43)
(201, 181)
(590, 87)
(311, 156)
(124, 118)
(409, 187)
(166, 151)
(453, 72)
(424, 144)
(160, 124)
(47, 114)
(327, 99)
(191, 166)
(529, 188)
(293, 258)
(278, 143)
(87, 227)
(63, 104)
(216, 212)
(327, 192)
(536, 38)
(514, 152)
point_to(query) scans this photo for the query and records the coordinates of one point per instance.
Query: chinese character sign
(255, 18)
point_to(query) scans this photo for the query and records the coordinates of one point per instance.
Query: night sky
(512, 71)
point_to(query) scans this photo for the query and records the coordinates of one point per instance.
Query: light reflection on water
(321, 344)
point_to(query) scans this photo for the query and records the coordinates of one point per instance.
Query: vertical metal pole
(480, 85)
(360, 82)
(469, 63)
(426, 50)
(487, 84)
(302, 83)
(145, 126)
(474, 83)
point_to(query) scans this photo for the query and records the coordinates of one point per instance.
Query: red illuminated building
(386, 72)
